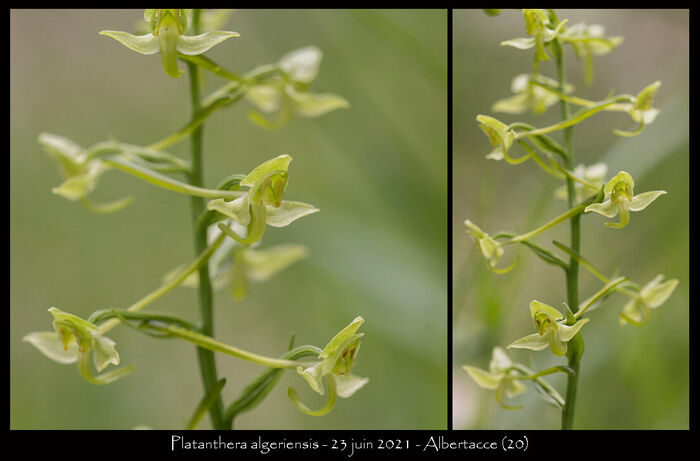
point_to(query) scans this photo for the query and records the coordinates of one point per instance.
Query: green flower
(593, 174)
(80, 172)
(168, 27)
(499, 135)
(536, 25)
(619, 199)
(239, 265)
(262, 204)
(290, 93)
(652, 295)
(529, 96)
(489, 247)
(550, 330)
(587, 41)
(73, 340)
(642, 109)
(501, 377)
(335, 366)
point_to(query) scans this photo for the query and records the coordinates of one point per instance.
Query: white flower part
(302, 64)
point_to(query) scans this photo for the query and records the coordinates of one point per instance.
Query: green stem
(211, 345)
(572, 214)
(207, 363)
(166, 182)
(575, 349)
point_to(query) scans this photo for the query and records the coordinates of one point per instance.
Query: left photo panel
(228, 219)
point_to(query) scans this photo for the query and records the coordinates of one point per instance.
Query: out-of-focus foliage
(631, 377)
(377, 249)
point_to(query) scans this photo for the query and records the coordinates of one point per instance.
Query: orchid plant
(586, 191)
(228, 228)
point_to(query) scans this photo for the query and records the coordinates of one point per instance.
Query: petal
(238, 210)
(567, 332)
(536, 307)
(280, 163)
(77, 187)
(622, 176)
(496, 154)
(68, 154)
(655, 294)
(474, 231)
(144, 44)
(267, 98)
(288, 212)
(641, 201)
(261, 265)
(606, 209)
(302, 64)
(533, 341)
(516, 104)
(499, 360)
(313, 376)
(104, 353)
(315, 105)
(491, 250)
(336, 345)
(483, 378)
(514, 387)
(168, 41)
(349, 384)
(49, 344)
(198, 44)
(520, 43)
(635, 312)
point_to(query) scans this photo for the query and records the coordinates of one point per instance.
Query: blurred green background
(631, 377)
(378, 247)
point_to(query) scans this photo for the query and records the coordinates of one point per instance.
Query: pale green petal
(349, 384)
(513, 388)
(499, 360)
(198, 44)
(537, 307)
(238, 210)
(493, 128)
(654, 294)
(261, 265)
(79, 186)
(607, 209)
(474, 230)
(144, 44)
(288, 212)
(104, 353)
(520, 43)
(568, 332)
(483, 378)
(302, 64)
(267, 98)
(279, 163)
(491, 250)
(315, 105)
(641, 201)
(533, 341)
(635, 312)
(49, 344)
(516, 104)
(622, 176)
(68, 154)
(496, 154)
(340, 340)
(314, 376)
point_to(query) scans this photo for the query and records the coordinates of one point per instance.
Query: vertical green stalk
(575, 346)
(207, 363)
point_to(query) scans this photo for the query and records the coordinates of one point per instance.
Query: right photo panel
(570, 219)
